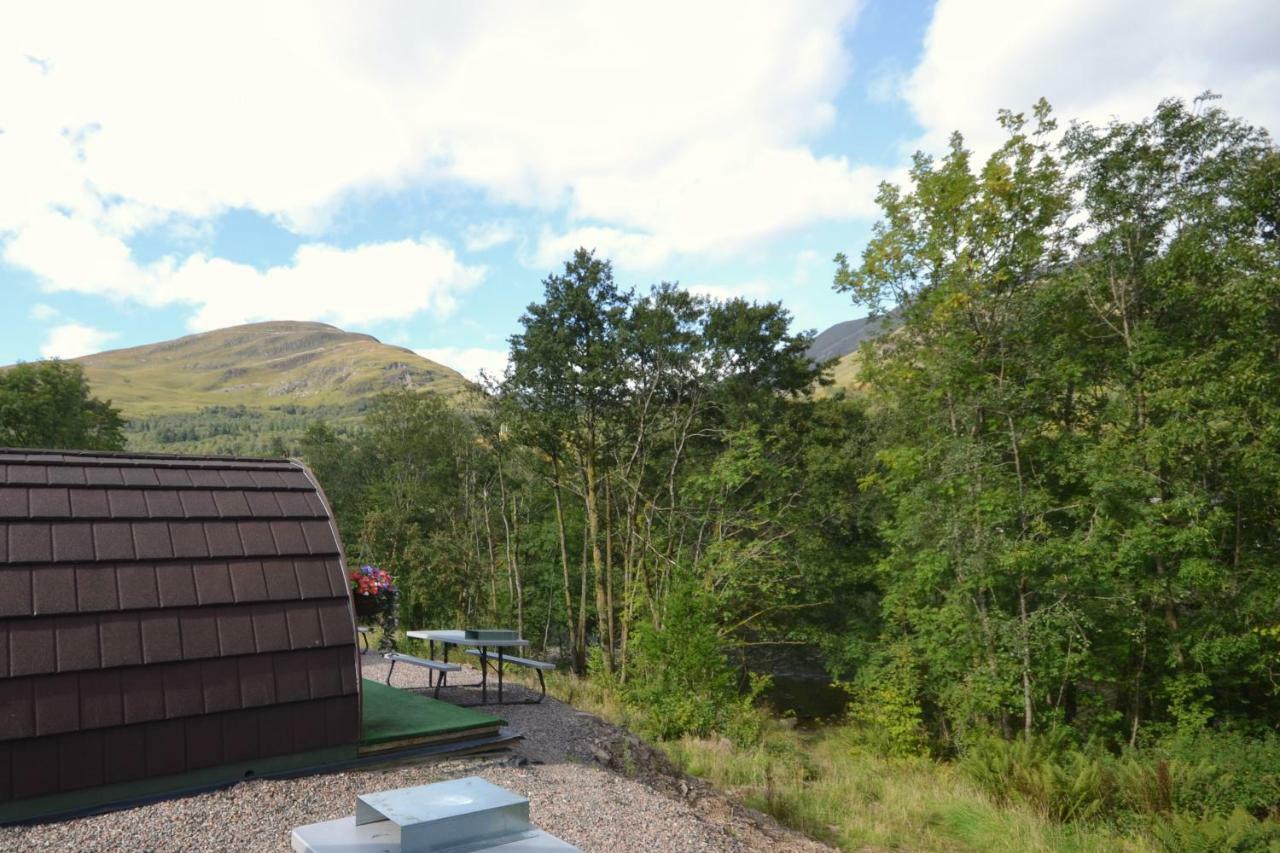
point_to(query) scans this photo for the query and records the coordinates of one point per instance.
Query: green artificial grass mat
(394, 714)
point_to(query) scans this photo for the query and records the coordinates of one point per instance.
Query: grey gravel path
(563, 767)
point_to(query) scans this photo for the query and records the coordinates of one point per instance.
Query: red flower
(370, 580)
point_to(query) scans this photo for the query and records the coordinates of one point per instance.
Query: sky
(414, 170)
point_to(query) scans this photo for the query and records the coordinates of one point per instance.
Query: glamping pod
(166, 623)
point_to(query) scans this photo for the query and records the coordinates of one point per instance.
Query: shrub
(681, 682)
(1225, 771)
(1208, 776)
(1060, 783)
(1239, 831)
(1147, 786)
(884, 710)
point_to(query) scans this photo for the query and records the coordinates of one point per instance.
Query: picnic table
(460, 638)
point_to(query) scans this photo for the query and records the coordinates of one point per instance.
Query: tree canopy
(1079, 421)
(48, 404)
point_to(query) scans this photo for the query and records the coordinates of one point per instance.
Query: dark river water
(812, 701)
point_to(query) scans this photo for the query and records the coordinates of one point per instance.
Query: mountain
(260, 365)
(841, 342)
(844, 338)
(254, 388)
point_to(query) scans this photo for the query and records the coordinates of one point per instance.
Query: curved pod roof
(160, 614)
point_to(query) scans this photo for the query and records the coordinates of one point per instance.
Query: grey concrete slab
(344, 835)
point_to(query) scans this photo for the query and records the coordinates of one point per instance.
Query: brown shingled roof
(166, 613)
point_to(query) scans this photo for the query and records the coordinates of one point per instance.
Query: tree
(1078, 418)
(47, 404)
(1180, 285)
(628, 399)
(964, 256)
(568, 374)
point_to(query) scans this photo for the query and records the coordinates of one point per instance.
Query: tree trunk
(1028, 701)
(577, 658)
(515, 564)
(597, 558)
(583, 570)
(493, 557)
(608, 570)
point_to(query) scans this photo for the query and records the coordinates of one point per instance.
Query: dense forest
(1036, 540)
(237, 430)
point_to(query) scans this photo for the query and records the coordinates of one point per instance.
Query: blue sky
(413, 170)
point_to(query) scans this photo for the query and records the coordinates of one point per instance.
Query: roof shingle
(130, 646)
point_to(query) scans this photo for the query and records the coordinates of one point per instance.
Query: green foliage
(885, 710)
(1060, 783)
(276, 431)
(1171, 785)
(398, 489)
(680, 678)
(47, 404)
(1190, 704)
(1077, 481)
(1226, 771)
(1239, 831)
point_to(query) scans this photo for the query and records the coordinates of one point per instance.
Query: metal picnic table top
(460, 638)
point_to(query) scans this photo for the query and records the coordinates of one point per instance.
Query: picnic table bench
(430, 665)
(538, 666)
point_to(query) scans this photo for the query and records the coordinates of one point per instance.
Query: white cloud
(376, 281)
(684, 126)
(488, 235)
(713, 199)
(625, 248)
(754, 291)
(69, 254)
(41, 311)
(469, 361)
(1092, 59)
(73, 340)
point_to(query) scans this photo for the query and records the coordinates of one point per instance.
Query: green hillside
(254, 388)
(844, 375)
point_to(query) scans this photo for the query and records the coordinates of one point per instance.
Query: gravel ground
(590, 783)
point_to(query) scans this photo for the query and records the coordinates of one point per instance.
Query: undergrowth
(830, 785)
(843, 785)
(852, 786)
(833, 786)
(1201, 790)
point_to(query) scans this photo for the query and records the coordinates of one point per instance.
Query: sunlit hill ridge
(254, 388)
